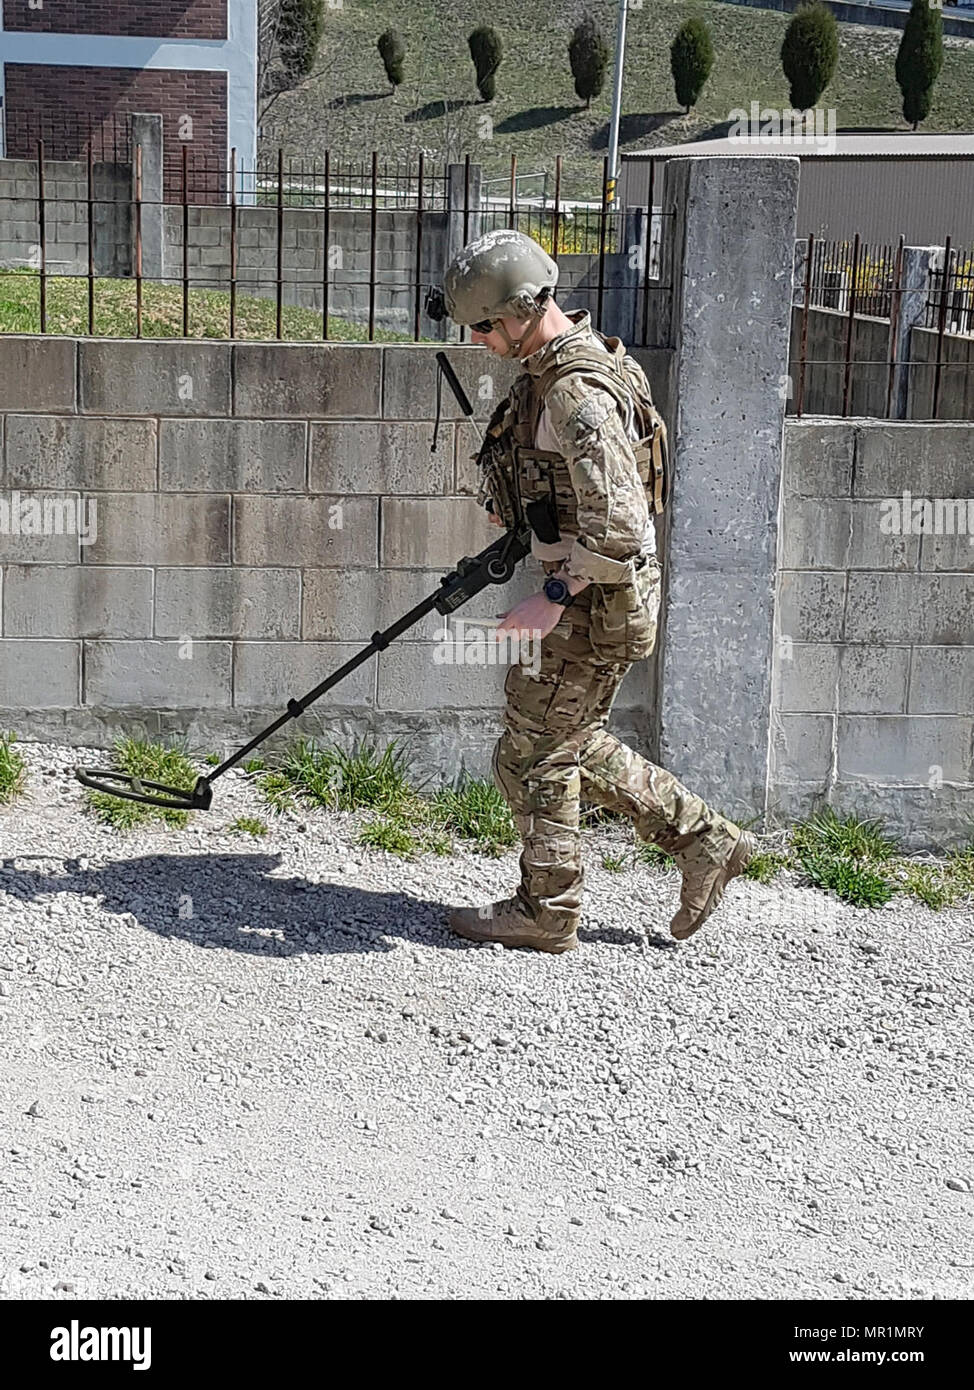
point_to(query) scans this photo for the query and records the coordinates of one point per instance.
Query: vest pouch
(623, 617)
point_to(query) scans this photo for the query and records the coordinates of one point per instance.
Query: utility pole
(616, 103)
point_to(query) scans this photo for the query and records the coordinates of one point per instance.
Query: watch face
(556, 590)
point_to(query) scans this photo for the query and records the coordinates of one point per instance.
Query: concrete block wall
(874, 658)
(825, 355)
(254, 512)
(304, 255)
(65, 216)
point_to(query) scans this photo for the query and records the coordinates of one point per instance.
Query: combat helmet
(502, 274)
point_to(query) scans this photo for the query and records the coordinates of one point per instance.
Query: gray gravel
(263, 1069)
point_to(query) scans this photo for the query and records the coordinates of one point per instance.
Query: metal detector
(495, 565)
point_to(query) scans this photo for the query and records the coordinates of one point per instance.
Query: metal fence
(864, 284)
(233, 234)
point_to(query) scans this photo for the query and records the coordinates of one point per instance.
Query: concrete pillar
(733, 258)
(457, 198)
(147, 133)
(918, 262)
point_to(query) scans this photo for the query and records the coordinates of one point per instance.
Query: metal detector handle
(495, 565)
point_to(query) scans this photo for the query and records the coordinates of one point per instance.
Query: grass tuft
(849, 879)
(155, 763)
(248, 825)
(845, 837)
(476, 810)
(13, 770)
(765, 866)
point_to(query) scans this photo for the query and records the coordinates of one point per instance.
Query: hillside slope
(347, 106)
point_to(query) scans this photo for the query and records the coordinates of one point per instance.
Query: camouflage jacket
(590, 475)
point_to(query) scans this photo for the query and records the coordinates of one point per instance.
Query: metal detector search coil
(131, 788)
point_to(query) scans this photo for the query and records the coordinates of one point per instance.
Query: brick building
(73, 70)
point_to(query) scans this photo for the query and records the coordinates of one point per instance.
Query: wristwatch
(557, 591)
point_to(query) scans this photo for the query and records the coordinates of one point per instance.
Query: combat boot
(511, 924)
(708, 861)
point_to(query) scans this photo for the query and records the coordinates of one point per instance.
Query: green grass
(13, 770)
(155, 763)
(477, 811)
(162, 312)
(614, 863)
(248, 825)
(652, 856)
(347, 104)
(852, 881)
(847, 837)
(765, 866)
(277, 791)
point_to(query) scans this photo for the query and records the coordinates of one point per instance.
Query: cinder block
(929, 609)
(268, 674)
(411, 677)
(232, 455)
(951, 551)
(873, 546)
(379, 457)
(810, 605)
(942, 680)
(928, 460)
(873, 680)
(77, 601)
(262, 603)
(816, 533)
(160, 529)
(39, 675)
(818, 458)
(160, 675)
(808, 677)
(44, 527)
(803, 748)
(126, 377)
(72, 452)
(905, 749)
(308, 380)
(409, 381)
(427, 533)
(349, 605)
(37, 374)
(313, 531)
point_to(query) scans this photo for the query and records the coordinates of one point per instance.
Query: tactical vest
(522, 481)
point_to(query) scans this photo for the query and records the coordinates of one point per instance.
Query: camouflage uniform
(555, 748)
(569, 452)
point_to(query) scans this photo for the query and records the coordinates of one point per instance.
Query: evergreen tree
(691, 58)
(393, 53)
(486, 52)
(589, 58)
(809, 53)
(919, 60)
(298, 33)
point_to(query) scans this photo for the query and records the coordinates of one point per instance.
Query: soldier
(561, 452)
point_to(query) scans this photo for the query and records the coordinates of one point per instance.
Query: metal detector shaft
(495, 565)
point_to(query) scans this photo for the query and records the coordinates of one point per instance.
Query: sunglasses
(484, 326)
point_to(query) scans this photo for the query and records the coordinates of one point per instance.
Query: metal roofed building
(877, 184)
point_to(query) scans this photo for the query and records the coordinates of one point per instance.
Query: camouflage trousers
(555, 751)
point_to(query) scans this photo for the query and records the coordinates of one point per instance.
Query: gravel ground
(263, 1069)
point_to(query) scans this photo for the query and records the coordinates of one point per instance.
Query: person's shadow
(234, 901)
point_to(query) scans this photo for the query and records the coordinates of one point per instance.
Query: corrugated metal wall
(924, 199)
